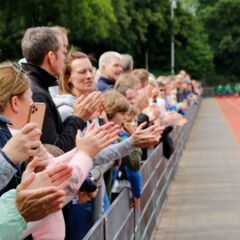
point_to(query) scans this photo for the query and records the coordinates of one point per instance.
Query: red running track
(230, 107)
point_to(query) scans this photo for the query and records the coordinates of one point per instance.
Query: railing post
(97, 201)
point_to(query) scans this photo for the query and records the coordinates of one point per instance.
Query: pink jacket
(53, 227)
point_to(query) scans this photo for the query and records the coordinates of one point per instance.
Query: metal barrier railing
(122, 222)
(209, 92)
(97, 172)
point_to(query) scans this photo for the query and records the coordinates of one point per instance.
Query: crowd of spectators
(110, 114)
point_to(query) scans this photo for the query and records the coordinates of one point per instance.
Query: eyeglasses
(162, 90)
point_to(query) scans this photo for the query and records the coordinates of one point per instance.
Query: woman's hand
(40, 194)
(23, 145)
(53, 176)
(97, 138)
(35, 204)
(130, 127)
(87, 107)
(148, 137)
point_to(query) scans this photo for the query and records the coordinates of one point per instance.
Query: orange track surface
(230, 107)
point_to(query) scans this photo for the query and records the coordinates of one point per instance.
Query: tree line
(206, 32)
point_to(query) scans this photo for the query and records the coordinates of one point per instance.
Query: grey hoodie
(7, 170)
(65, 104)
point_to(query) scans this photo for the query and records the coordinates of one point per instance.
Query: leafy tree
(222, 25)
(135, 27)
(190, 5)
(88, 21)
(139, 27)
(193, 52)
(206, 3)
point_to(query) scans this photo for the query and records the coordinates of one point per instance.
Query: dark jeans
(78, 220)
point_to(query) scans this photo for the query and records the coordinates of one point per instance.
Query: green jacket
(219, 89)
(12, 224)
(228, 88)
(133, 160)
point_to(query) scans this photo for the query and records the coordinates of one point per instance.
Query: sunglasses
(162, 90)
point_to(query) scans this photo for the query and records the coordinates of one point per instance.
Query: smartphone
(37, 113)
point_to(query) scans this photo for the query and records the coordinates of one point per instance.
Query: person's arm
(81, 164)
(16, 150)
(114, 152)
(135, 179)
(142, 138)
(66, 157)
(88, 146)
(7, 170)
(12, 224)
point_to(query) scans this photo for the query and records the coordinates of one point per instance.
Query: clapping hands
(89, 107)
(97, 138)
